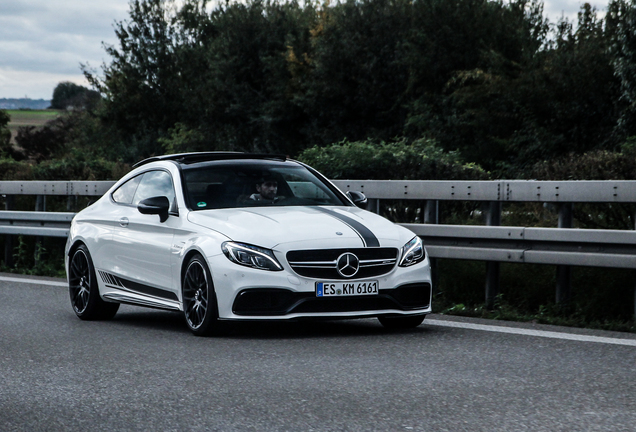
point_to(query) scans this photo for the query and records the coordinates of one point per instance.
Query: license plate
(335, 289)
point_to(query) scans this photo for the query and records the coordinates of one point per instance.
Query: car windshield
(244, 184)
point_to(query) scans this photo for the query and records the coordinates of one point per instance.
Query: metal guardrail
(586, 191)
(45, 224)
(562, 246)
(554, 246)
(498, 190)
(39, 223)
(68, 188)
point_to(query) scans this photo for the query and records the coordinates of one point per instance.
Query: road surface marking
(528, 332)
(34, 281)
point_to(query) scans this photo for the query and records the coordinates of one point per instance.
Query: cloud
(33, 85)
(44, 42)
(555, 9)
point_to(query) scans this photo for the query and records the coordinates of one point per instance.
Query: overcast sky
(43, 42)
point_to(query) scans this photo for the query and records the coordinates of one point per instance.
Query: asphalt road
(145, 371)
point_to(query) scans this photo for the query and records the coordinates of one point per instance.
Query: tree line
(493, 83)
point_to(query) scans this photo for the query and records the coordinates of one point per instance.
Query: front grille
(321, 263)
(278, 302)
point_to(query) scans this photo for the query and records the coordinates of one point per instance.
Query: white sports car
(234, 236)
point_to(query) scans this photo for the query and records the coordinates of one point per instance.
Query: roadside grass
(600, 298)
(43, 257)
(37, 118)
(547, 314)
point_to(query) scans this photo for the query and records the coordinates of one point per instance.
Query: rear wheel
(402, 322)
(83, 290)
(199, 300)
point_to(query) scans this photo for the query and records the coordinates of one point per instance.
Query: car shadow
(151, 319)
(311, 329)
(173, 321)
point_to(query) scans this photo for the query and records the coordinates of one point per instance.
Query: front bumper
(280, 302)
(250, 294)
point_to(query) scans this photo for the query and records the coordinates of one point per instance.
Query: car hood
(303, 227)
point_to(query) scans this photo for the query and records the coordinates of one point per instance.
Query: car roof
(189, 158)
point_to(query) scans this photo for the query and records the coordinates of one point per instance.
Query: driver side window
(124, 194)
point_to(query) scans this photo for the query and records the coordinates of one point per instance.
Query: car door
(141, 244)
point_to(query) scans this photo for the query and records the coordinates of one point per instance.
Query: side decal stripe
(368, 238)
(129, 285)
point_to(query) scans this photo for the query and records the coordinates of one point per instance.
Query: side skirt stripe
(131, 286)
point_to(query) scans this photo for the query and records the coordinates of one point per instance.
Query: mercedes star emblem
(347, 264)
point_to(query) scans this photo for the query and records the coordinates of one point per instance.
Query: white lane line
(527, 332)
(34, 281)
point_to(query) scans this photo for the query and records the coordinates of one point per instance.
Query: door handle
(123, 222)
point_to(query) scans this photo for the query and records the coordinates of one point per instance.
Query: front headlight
(251, 256)
(412, 252)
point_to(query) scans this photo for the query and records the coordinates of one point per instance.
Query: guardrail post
(493, 218)
(40, 206)
(9, 204)
(564, 273)
(40, 203)
(431, 212)
(431, 216)
(374, 205)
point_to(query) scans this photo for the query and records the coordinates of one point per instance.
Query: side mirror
(358, 199)
(159, 205)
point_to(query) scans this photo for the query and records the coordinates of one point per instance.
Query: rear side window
(124, 194)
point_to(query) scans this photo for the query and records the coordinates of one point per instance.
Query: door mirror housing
(159, 205)
(358, 198)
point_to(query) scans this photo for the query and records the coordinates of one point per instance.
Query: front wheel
(82, 284)
(199, 300)
(403, 322)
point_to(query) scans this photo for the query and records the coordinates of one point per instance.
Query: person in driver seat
(266, 189)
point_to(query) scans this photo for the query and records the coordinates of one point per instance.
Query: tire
(404, 322)
(83, 290)
(199, 299)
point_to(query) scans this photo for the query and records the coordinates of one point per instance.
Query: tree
(623, 15)
(5, 133)
(180, 73)
(492, 79)
(357, 78)
(552, 98)
(251, 103)
(70, 95)
(7, 149)
(42, 143)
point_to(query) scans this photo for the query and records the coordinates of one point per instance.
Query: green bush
(31, 256)
(595, 165)
(398, 160)
(78, 167)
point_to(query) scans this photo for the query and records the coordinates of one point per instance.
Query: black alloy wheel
(83, 290)
(403, 322)
(199, 299)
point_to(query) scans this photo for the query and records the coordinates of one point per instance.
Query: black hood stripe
(368, 238)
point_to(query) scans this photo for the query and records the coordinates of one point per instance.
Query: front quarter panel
(92, 227)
